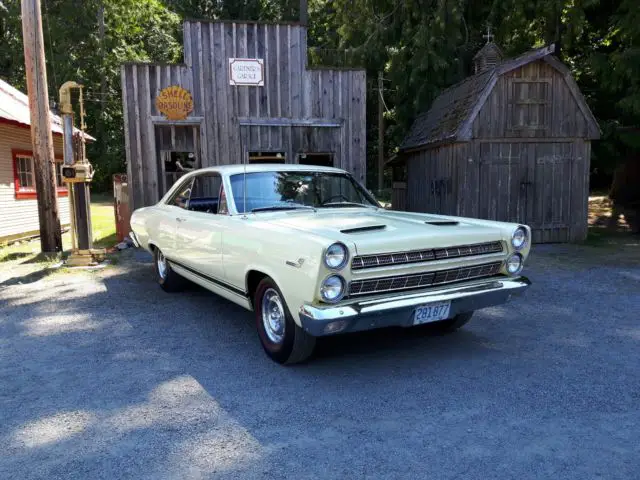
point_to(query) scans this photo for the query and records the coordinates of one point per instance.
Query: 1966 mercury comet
(312, 253)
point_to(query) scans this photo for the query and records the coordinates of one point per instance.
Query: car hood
(378, 231)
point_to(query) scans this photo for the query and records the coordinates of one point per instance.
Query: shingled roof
(448, 112)
(450, 117)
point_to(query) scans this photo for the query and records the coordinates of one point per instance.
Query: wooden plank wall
(563, 117)
(332, 101)
(433, 180)
(141, 84)
(399, 196)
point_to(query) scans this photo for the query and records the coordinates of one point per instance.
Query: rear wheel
(282, 339)
(169, 280)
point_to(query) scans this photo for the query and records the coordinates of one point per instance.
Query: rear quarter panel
(156, 225)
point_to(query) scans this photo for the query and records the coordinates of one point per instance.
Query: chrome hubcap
(162, 265)
(273, 317)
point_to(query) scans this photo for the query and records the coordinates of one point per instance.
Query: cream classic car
(312, 253)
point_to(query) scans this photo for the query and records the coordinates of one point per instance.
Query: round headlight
(514, 264)
(519, 238)
(336, 256)
(332, 288)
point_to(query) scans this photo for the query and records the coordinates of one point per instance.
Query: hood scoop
(368, 228)
(443, 223)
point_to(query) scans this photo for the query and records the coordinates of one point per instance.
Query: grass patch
(103, 229)
(103, 225)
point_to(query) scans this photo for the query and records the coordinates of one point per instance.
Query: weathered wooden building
(510, 143)
(245, 94)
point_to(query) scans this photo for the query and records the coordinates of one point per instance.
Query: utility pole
(380, 133)
(304, 13)
(103, 75)
(41, 138)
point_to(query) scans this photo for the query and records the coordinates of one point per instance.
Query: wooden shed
(244, 93)
(510, 143)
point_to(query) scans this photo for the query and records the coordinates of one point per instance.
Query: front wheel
(282, 339)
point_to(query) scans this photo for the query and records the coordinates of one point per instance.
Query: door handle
(180, 220)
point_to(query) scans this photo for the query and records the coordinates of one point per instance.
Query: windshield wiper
(346, 204)
(274, 208)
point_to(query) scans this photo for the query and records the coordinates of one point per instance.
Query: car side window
(205, 195)
(181, 198)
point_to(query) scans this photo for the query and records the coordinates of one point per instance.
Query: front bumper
(134, 239)
(398, 310)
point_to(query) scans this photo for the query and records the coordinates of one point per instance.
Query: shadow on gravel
(15, 256)
(31, 277)
(110, 377)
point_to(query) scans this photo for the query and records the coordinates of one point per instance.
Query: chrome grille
(421, 280)
(417, 256)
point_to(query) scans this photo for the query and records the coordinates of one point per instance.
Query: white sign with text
(246, 71)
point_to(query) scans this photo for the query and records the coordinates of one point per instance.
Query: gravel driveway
(102, 375)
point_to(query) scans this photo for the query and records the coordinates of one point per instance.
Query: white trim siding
(18, 217)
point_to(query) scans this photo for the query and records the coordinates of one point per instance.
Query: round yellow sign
(174, 102)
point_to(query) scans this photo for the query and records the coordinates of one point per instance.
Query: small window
(318, 159)
(529, 104)
(181, 198)
(179, 162)
(59, 182)
(24, 169)
(24, 176)
(266, 157)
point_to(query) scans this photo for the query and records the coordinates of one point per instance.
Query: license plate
(431, 312)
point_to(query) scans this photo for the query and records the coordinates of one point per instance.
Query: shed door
(550, 189)
(502, 194)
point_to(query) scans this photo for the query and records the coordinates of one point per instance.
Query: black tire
(443, 327)
(169, 280)
(450, 325)
(295, 345)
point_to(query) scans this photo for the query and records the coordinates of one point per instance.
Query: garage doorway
(266, 157)
(178, 148)
(318, 159)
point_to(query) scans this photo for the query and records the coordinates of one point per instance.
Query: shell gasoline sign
(174, 102)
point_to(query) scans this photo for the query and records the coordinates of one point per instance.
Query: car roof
(267, 167)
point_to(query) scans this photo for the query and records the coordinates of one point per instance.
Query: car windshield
(295, 189)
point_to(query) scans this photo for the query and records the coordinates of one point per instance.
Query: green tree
(134, 30)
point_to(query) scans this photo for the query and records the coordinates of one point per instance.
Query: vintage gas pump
(77, 173)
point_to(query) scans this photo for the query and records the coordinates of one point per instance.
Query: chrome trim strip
(359, 262)
(507, 286)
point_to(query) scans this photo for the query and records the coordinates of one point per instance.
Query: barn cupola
(488, 56)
